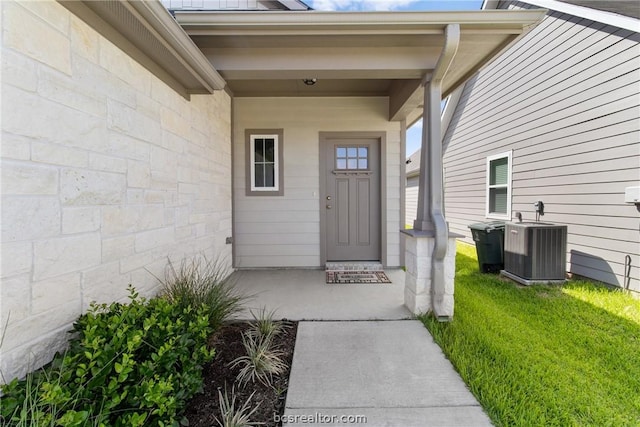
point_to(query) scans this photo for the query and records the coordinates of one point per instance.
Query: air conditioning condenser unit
(535, 252)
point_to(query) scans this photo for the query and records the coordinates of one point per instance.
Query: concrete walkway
(359, 354)
(375, 373)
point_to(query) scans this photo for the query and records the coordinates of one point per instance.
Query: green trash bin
(489, 238)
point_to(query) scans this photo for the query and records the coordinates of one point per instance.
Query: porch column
(430, 250)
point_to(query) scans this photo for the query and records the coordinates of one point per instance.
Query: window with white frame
(499, 186)
(264, 169)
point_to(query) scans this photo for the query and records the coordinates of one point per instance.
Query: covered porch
(314, 87)
(302, 294)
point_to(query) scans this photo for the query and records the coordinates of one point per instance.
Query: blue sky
(414, 134)
(398, 5)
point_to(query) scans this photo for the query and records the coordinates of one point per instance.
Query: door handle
(329, 206)
(328, 197)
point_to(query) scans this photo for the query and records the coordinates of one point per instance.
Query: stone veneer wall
(106, 172)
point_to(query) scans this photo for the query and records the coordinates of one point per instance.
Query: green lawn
(544, 355)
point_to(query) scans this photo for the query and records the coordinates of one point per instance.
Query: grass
(544, 355)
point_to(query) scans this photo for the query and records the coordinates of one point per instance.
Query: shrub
(201, 282)
(127, 365)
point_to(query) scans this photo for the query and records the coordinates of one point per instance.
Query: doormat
(339, 277)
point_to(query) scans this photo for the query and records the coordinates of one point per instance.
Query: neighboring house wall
(106, 172)
(284, 231)
(565, 100)
(412, 168)
(411, 200)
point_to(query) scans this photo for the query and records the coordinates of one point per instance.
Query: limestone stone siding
(106, 172)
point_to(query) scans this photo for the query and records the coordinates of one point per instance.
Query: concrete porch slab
(390, 372)
(304, 295)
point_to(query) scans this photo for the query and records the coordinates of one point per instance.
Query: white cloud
(361, 5)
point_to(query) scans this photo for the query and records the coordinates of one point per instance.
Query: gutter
(323, 23)
(441, 232)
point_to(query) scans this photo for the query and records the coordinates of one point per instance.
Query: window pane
(499, 170)
(269, 149)
(352, 152)
(341, 164)
(362, 152)
(258, 150)
(341, 152)
(362, 163)
(352, 164)
(269, 175)
(259, 180)
(498, 200)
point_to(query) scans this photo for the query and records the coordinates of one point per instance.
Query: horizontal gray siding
(284, 231)
(565, 99)
(411, 200)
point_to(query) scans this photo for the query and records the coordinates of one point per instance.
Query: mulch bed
(204, 408)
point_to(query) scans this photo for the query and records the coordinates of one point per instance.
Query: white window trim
(493, 215)
(276, 162)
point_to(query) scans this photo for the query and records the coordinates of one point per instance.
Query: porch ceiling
(350, 54)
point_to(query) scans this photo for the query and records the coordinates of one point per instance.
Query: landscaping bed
(544, 355)
(145, 362)
(218, 375)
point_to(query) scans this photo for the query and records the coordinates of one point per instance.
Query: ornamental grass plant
(203, 282)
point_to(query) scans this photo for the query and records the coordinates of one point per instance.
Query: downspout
(433, 95)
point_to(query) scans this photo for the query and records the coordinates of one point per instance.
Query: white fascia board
(601, 16)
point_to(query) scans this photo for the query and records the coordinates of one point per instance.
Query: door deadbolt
(328, 197)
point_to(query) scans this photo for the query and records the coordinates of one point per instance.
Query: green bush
(202, 282)
(127, 365)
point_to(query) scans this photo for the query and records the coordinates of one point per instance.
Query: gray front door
(352, 200)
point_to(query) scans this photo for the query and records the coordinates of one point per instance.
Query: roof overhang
(148, 33)
(349, 53)
(599, 11)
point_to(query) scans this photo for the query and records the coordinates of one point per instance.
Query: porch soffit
(350, 54)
